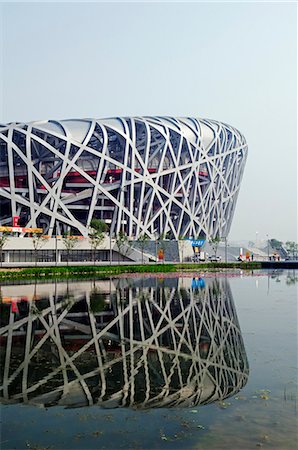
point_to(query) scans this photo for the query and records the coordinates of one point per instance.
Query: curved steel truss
(142, 175)
(142, 345)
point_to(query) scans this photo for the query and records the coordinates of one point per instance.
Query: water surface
(163, 361)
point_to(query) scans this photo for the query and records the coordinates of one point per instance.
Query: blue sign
(198, 243)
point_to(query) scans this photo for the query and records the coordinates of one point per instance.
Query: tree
(214, 242)
(98, 228)
(142, 239)
(38, 240)
(291, 247)
(123, 244)
(70, 242)
(182, 243)
(3, 240)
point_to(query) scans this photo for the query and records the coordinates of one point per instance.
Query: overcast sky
(233, 62)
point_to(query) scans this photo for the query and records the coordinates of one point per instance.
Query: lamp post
(155, 234)
(110, 236)
(51, 234)
(56, 256)
(267, 246)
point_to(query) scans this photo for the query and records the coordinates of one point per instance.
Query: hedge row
(85, 271)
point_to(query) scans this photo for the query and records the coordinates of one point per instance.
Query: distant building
(152, 175)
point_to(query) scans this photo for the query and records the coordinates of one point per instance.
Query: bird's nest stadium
(142, 175)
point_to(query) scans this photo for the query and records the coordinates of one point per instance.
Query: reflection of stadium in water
(125, 342)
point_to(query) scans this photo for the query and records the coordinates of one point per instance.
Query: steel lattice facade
(142, 175)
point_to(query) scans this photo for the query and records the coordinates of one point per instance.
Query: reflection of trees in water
(147, 344)
(292, 277)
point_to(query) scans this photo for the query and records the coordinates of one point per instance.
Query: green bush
(103, 271)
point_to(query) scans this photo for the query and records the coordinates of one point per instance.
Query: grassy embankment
(104, 271)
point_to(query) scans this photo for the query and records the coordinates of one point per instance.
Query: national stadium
(177, 177)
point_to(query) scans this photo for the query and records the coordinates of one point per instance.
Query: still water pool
(170, 361)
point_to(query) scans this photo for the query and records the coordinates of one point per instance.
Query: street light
(156, 235)
(267, 245)
(226, 249)
(56, 252)
(51, 234)
(110, 236)
(109, 222)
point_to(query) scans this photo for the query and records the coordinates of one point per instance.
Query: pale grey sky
(233, 62)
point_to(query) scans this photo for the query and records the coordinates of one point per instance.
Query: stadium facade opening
(178, 177)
